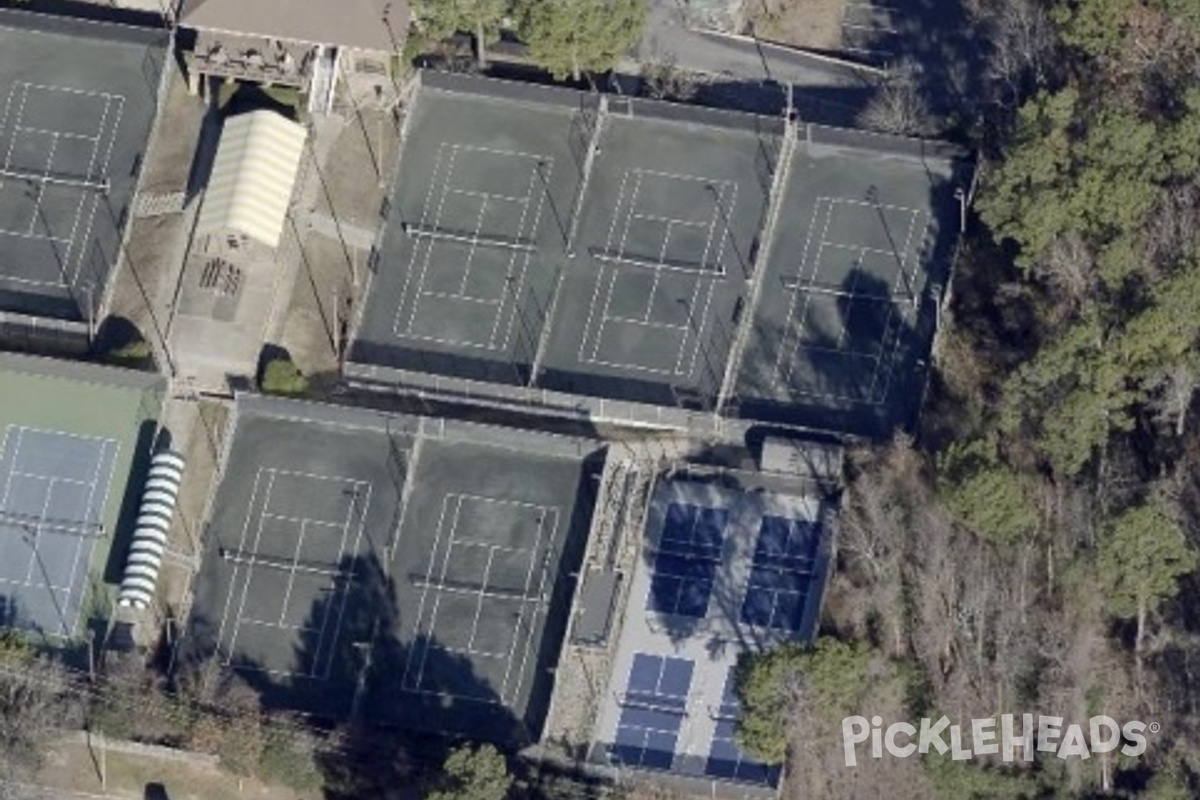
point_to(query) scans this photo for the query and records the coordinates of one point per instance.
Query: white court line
(719, 211)
(420, 292)
(693, 336)
(88, 512)
(11, 464)
(76, 248)
(241, 612)
(69, 90)
(521, 614)
(671, 326)
(16, 454)
(61, 134)
(510, 288)
(904, 312)
(511, 198)
(710, 289)
(437, 597)
(459, 298)
(84, 195)
(487, 573)
(30, 584)
(39, 476)
(20, 115)
(35, 549)
(430, 627)
(316, 476)
(848, 201)
(237, 566)
(891, 332)
(344, 587)
(474, 246)
(4, 117)
(41, 189)
(604, 317)
(262, 623)
(301, 520)
(62, 434)
(669, 220)
(878, 251)
(417, 627)
(291, 579)
(902, 276)
(33, 238)
(816, 265)
(515, 293)
(424, 242)
(604, 268)
(533, 559)
(633, 204)
(662, 256)
(785, 359)
(337, 581)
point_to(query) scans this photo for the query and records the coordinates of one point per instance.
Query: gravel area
(167, 167)
(323, 278)
(359, 169)
(801, 23)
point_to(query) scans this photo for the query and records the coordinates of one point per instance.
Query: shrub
(282, 377)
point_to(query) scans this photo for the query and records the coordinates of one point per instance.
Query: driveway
(668, 39)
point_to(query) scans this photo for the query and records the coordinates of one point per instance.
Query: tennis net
(468, 237)
(58, 179)
(34, 523)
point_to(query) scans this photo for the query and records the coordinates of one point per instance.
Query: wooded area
(567, 38)
(1033, 548)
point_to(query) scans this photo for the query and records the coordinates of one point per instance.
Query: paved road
(669, 39)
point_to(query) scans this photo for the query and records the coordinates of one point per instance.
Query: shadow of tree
(964, 58)
(345, 675)
(723, 624)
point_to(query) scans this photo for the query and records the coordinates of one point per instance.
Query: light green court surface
(94, 401)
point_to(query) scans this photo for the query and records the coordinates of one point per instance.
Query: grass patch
(282, 377)
(237, 97)
(136, 353)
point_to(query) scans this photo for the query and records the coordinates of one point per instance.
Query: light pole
(368, 648)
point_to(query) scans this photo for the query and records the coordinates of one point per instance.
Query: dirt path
(70, 766)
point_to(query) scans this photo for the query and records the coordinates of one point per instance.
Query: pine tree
(571, 37)
(481, 18)
(1141, 556)
(471, 773)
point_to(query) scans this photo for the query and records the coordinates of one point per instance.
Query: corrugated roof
(252, 176)
(347, 23)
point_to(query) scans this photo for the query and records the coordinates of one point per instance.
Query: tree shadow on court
(861, 373)
(384, 736)
(724, 601)
(724, 629)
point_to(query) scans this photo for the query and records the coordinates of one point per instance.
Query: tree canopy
(1141, 556)
(831, 676)
(473, 773)
(573, 37)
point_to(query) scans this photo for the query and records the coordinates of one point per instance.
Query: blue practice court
(686, 562)
(652, 711)
(782, 574)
